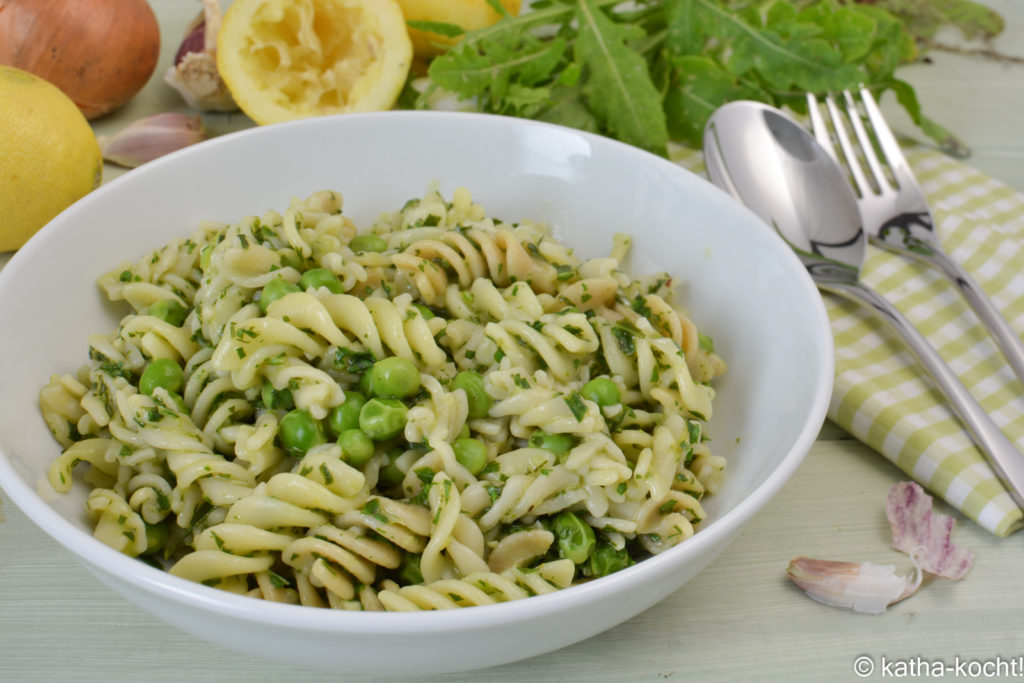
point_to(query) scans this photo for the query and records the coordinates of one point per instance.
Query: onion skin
(99, 52)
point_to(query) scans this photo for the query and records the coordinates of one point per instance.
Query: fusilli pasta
(446, 410)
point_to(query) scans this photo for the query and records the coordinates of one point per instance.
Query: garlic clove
(151, 137)
(925, 534)
(199, 83)
(860, 586)
(194, 72)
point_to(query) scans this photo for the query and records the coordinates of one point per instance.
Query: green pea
(169, 311)
(274, 290)
(382, 418)
(471, 454)
(162, 372)
(321, 277)
(395, 377)
(409, 570)
(558, 444)
(365, 384)
(276, 398)
(298, 432)
(473, 384)
(606, 560)
(575, 538)
(345, 416)
(601, 391)
(156, 537)
(389, 476)
(368, 242)
(356, 447)
(464, 432)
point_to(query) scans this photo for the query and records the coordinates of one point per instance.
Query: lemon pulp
(291, 59)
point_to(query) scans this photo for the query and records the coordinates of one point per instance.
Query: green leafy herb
(705, 343)
(624, 336)
(652, 71)
(277, 580)
(372, 508)
(353, 362)
(576, 405)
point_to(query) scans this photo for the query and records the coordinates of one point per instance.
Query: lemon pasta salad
(444, 410)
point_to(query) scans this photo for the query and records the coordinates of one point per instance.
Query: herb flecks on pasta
(446, 410)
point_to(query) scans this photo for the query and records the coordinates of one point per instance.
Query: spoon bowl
(792, 184)
(769, 162)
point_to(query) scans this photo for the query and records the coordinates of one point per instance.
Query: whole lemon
(468, 15)
(49, 157)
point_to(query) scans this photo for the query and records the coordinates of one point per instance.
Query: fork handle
(1008, 341)
(1007, 462)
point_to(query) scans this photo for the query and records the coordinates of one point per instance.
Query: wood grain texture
(739, 620)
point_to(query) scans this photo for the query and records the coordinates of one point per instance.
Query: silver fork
(893, 209)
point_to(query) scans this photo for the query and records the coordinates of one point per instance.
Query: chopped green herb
(326, 474)
(372, 508)
(276, 580)
(624, 337)
(576, 405)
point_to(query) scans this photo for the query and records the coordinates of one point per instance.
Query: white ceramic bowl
(741, 284)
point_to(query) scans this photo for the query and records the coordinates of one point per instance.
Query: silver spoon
(768, 161)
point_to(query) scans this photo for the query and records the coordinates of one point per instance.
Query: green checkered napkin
(882, 396)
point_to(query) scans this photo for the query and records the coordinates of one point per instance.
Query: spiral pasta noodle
(443, 411)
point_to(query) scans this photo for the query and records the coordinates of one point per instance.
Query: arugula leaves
(618, 90)
(652, 71)
(924, 19)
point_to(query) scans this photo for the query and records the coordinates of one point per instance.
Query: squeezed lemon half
(293, 59)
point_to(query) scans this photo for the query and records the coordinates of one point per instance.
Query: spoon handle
(1006, 460)
(1009, 342)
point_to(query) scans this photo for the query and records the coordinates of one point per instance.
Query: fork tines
(874, 162)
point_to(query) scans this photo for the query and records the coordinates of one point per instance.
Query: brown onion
(99, 52)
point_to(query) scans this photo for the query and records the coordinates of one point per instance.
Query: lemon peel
(291, 59)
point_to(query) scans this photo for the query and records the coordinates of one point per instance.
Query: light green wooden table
(739, 620)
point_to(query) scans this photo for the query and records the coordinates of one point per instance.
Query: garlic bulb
(194, 73)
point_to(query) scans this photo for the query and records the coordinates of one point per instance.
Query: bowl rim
(140, 575)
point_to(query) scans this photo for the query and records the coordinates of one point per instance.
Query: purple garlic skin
(195, 41)
(194, 73)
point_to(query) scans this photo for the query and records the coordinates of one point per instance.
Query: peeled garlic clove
(860, 586)
(926, 535)
(152, 137)
(194, 72)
